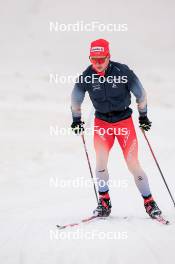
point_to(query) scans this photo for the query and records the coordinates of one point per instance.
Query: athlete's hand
(145, 123)
(77, 127)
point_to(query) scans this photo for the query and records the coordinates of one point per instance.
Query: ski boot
(104, 205)
(151, 207)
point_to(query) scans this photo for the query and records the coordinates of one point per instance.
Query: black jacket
(111, 94)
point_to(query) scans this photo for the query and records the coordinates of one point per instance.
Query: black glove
(145, 123)
(77, 127)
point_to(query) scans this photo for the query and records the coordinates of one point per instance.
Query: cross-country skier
(110, 85)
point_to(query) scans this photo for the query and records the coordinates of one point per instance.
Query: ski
(158, 218)
(161, 220)
(88, 219)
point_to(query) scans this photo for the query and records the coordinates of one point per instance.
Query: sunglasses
(98, 60)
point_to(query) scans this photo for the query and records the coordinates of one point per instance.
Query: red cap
(99, 47)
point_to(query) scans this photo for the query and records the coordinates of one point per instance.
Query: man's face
(100, 63)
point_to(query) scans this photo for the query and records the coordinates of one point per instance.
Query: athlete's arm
(139, 92)
(137, 89)
(77, 97)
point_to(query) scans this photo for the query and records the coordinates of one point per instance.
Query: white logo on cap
(97, 49)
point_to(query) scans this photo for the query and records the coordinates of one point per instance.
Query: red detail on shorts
(123, 130)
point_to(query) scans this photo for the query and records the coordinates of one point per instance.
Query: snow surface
(31, 159)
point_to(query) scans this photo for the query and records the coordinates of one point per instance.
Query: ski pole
(90, 169)
(161, 173)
